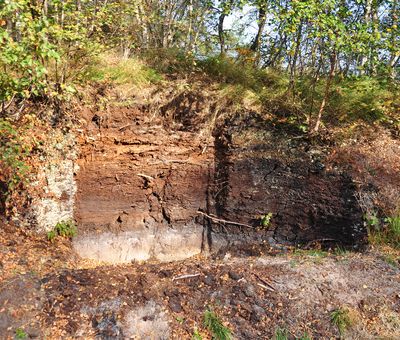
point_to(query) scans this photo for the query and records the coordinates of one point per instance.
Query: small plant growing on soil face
(340, 251)
(15, 149)
(393, 225)
(305, 337)
(180, 320)
(392, 260)
(196, 335)
(387, 232)
(281, 334)
(265, 220)
(64, 229)
(317, 253)
(20, 334)
(372, 220)
(216, 327)
(341, 319)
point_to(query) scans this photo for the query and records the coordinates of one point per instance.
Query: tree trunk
(294, 60)
(314, 84)
(189, 31)
(262, 17)
(393, 59)
(143, 24)
(332, 58)
(221, 34)
(375, 23)
(367, 21)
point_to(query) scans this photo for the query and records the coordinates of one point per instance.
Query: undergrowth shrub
(169, 60)
(65, 229)
(196, 335)
(121, 71)
(363, 98)
(16, 145)
(23, 56)
(20, 334)
(393, 233)
(40, 57)
(386, 232)
(351, 99)
(228, 70)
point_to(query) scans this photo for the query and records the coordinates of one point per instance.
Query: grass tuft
(213, 323)
(317, 253)
(305, 336)
(341, 319)
(281, 334)
(120, 71)
(387, 233)
(196, 335)
(20, 334)
(393, 226)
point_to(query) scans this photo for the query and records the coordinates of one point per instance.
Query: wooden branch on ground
(124, 127)
(6, 106)
(265, 287)
(265, 283)
(216, 219)
(146, 177)
(187, 276)
(181, 161)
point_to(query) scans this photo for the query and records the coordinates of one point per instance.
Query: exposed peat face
(146, 191)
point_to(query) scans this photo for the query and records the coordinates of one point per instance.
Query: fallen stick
(187, 276)
(265, 287)
(265, 282)
(182, 161)
(146, 176)
(223, 221)
(124, 127)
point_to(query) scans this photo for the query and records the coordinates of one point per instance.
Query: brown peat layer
(152, 190)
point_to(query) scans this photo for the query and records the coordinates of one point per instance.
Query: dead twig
(220, 190)
(215, 219)
(6, 106)
(146, 177)
(9, 282)
(265, 282)
(266, 287)
(124, 127)
(181, 161)
(187, 276)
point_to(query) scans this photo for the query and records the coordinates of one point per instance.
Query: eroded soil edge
(157, 186)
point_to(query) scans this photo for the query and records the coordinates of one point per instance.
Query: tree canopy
(44, 45)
